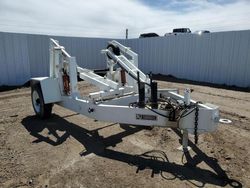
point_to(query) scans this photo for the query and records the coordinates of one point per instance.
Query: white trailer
(126, 95)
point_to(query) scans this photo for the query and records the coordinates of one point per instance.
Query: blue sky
(110, 18)
(180, 4)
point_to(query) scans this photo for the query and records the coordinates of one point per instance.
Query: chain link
(196, 124)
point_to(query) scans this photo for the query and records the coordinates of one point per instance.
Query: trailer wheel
(114, 49)
(42, 110)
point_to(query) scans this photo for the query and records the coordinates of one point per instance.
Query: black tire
(42, 110)
(114, 49)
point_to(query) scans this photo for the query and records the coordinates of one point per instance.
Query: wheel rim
(36, 101)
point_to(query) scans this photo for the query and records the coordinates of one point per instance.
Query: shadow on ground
(155, 160)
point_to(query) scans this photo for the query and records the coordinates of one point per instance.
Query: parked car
(201, 32)
(146, 35)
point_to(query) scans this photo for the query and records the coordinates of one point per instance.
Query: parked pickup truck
(179, 31)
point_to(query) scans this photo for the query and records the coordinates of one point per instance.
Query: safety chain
(196, 124)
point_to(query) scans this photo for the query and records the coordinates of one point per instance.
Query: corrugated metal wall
(222, 58)
(23, 56)
(14, 59)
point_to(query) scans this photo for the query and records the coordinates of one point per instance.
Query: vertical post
(51, 59)
(154, 95)
(126, 33)
(187, 96)
(185, 139)
(184, 147)
(141, 90)
(153, 88)
(123, 77)
(73, 76)
(56, 61)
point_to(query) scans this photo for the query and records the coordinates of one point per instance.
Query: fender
(49, 87)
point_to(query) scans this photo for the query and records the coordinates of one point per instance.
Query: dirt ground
(70, 150)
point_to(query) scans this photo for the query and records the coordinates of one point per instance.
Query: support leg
(184, 146)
